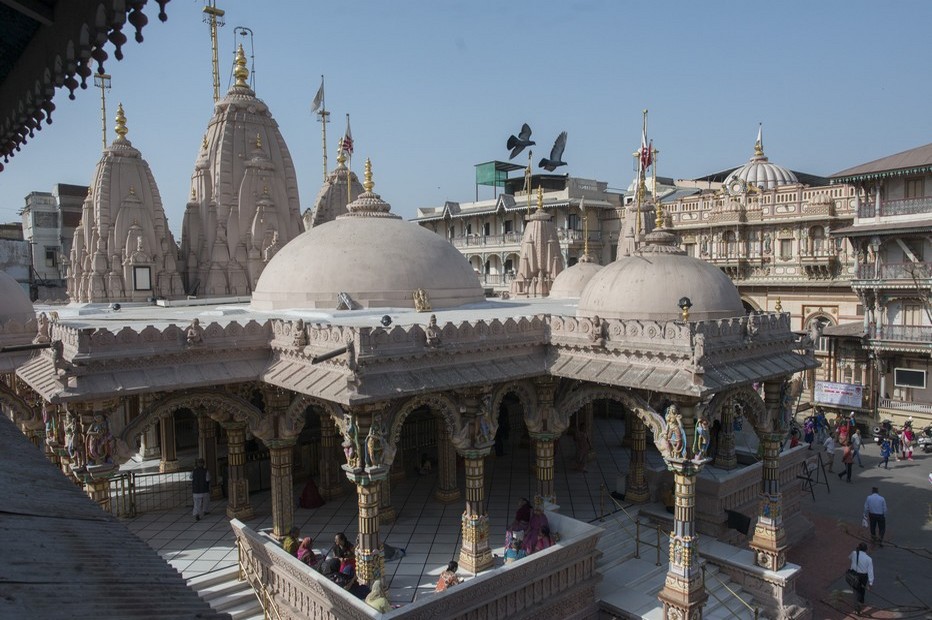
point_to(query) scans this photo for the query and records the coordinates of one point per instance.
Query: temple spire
(240, 72)
(759, 144)
(368, 184)
(121, 129)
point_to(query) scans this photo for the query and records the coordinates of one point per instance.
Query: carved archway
(527, 395)
(221, 406)
(574, 400)
(752, 407)
(441, 405)
(22, 412)
(294, 415)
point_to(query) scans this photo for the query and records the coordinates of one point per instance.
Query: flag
(647, 151)
(346, 142)
(319, 97)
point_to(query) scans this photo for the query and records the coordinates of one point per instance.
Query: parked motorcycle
(884, 431)
(924, 439)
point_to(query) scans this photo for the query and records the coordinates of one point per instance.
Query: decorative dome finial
(540, 198)
(778, 306)
(759, 145)
(368, 184)
(240, 72)
(258, 141)
(121, 129)
(658, 221)
(204, 143)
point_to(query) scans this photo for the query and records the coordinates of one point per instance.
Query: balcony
(514, 238)
(890, 272)
(903, 333)
(905, 206)
(735, 267)
(820, 265)
(899, 411)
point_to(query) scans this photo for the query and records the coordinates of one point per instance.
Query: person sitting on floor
(448, 578)
(519, 526)
(291, 541)
(306, 553)
(310, 496)
(378, 598)
(544, 539)
(514, 552)
(537, 523)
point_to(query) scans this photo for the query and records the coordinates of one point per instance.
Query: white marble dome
(759, 172)
(649, 283)
(16, 304)
(573, 280)
(373, 256)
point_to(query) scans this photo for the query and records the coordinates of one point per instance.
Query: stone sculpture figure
(351, 443)
(43, 336)
(374, 444)
(195, 333)
(421, 300)
(299, 336)
(701, 439)
(98, 441)
(676, 434)
(433, 332)
(73, 441)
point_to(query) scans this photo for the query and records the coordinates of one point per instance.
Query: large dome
(759, 172)
(16, 304)
(573, 280)
(372, 255)
(649, 283)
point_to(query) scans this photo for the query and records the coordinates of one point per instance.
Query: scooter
(924, 439)
(882, 432)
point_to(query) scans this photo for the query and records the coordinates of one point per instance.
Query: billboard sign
(839, 394)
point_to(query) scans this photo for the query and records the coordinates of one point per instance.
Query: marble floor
(428, 530)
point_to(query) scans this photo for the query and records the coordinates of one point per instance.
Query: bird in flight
(519, 142)
(556, 154)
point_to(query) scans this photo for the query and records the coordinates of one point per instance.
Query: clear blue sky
(436, 87)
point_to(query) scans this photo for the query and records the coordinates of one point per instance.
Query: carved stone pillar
(386, 511)
(238, 506)
(169, 460)
(683, 593)
(543, 468)
(725, 455)
(98, 489)
(769, 540)
(207, 450)
(636, 489)
(331, 483)
(370, 555)
(475, 554)
(281, 453)
(448, 489)
(151, 448)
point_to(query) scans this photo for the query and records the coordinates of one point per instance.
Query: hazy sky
(435, 87)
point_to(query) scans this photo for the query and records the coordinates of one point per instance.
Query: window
(731, 243)
(51, 257)
(142, 279)
(915, 188)
(817, 238)
(786, 249)
(909, 378)
(572, 222)
(486, 229)
(509, 226)
(690, 249)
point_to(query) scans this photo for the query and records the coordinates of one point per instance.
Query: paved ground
(902, 567)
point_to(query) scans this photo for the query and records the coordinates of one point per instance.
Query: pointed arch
(526, 393)
(752, 406)
(441, 405)
(221, 406)
(574, 400)
(294, 415)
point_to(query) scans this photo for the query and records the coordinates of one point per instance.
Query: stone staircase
(630, 585)
(224, 592)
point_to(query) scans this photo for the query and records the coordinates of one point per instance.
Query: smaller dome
(16, 304)
(759, 172)
(572, 280)
(649, 283)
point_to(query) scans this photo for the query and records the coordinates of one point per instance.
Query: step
(232, 600)
(221, 590)
(213, 577)
(246, 610)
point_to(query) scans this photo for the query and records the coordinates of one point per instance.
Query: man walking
(200, 481)
(847, 461)
(863, 565)
(875, 507)
(857, 445)
(830, 452)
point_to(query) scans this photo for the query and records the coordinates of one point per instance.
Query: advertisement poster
(839, 394)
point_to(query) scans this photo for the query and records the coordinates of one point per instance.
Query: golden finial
(658, 222)
(341, 158)
(368, 184)
(779, 306)
(121, 122)
(258, 141)
(204, 143)
(759, 145)
(540, 198)
(240, 72)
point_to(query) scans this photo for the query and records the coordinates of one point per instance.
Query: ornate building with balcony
(893, 279)
(489, 232)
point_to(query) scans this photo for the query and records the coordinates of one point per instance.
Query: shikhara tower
(244, 195)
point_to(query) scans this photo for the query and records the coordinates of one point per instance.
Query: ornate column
(386, 511)
(475, 553)
(769, 540)
(448, 489)
(636, 489)
(725, 456)
(169, 460)
(150, 440)
(281, 452)
(207, 450)
(330, 482)
(683, 593)
(238, 506)
(628, 440)
(364, 445)
(543, 468)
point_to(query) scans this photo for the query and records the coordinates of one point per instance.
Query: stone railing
(904, 206)
(558, 582)
(901, 405)
(895, 271)
(100, 343)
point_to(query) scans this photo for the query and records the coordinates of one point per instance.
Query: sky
(434, 88)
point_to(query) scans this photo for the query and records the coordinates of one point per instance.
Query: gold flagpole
(324, 119)
(349, 168)
(640, 181)
(527, 181)
(214, 18)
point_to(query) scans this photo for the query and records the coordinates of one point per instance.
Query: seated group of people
(528, 533)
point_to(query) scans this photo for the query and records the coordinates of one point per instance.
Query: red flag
(647, 153)
(346, 142)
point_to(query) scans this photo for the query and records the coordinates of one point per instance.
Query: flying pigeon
(556, 154)
(519, 142)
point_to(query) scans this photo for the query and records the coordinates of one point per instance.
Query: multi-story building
(893, 281)
(488, 232)
(49, 220)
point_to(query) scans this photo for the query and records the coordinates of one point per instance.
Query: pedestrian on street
(885, 452)
(200, 482)
(863, 565)
(856, 444)
(847, 459)
(830, 452)
(875, 507)
(895, 443)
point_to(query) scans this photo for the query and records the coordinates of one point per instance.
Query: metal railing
(903, 206)
(132, 493)
(912, 407)
(903, 333)
(895, 271)
(658, 546)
